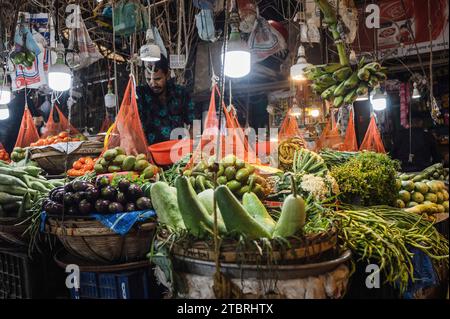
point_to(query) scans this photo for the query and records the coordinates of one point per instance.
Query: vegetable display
(81, 198)
(62, 137)
(19, 187)
(238, 176)
(18, 154)
(306, 161)
(287, 149)
(116, 160)
(81, 167)
(4, 155)
(367, 179)
(335, 158)
(386, 235)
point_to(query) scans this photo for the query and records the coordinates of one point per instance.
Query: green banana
(363, 74)
(328, 93)
(342, 74)
(373, 81)
(326, 80)
(352, 81)
(350, 97)
(338, 100)
(332, 67)
(362, 89)
(381, 76)
(340, 90)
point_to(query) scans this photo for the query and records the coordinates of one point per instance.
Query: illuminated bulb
(363, 97)
(297, 70)
(59, 75)
(110, 98)
(5, 94)
(150, 52)
(315, 113)
(378, 100)
(237, 57)
(416, 93)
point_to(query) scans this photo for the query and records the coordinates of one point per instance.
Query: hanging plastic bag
(127, 131)
(80, 40)
(106, 124)
(128, 17)
(372, 140)
(205, 25)
(350, 142)
(330, 137)
(28, 132)
(159, 41)
(265, 40)
(53, 127)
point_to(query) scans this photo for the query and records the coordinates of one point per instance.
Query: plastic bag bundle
(28, 132)
(350, 142)
(127, 131)
(372, 140)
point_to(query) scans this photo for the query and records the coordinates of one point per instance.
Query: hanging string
(430, 26)
(115, 62)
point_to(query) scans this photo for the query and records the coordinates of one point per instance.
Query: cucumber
(194, 214)
(207, 199)
(165, 202)
(6, 198)
(235, 216)
(257, 210)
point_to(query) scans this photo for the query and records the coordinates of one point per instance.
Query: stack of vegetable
(81, 167)
(18, 154)
(287, 149)
(367, 179)
(341, 83)
(425, 197)
(336, 158)
(238, 176)
(4, 155)
(19, 187)
(309, 162)
(81, 198)
(181, 208)
(116, 160)
(434, 172)
(62, 137)
(385, 236)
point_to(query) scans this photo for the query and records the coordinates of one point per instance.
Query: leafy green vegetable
(367, 179)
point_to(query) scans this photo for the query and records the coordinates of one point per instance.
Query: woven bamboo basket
(54, 162)
(92, 241)
(308, 249)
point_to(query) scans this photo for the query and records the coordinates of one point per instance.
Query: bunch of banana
(342, 84)
(287, 149)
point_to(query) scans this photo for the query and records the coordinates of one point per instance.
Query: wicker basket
(54, 162)
(311, 248)
(91, 240)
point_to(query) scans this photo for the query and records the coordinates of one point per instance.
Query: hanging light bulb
(315, 112)
(378, 100)
(416, 93)
(297, 70)
(150, 52)
(4, 112)
(5, 94)
(237, 57)
(110, 97)
(59, 75)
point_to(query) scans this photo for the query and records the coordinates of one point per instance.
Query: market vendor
(163, 105)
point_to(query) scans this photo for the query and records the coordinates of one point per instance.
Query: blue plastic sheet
(424, 274)
(204, 4)
(121, 223)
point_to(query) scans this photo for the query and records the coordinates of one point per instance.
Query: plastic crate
(15, 274)
(136, 284)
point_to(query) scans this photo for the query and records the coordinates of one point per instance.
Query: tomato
(63, 135)
(77, 165)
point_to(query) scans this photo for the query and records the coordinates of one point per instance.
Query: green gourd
(293, 215)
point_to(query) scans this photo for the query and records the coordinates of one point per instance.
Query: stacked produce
(181, 208)
(116, 160)
(82, 166)
(385, 236)
(238, 176)
(81, 198)
(4, 155)
(341, 83)
(62, 137)
(419, 194)
(287, 149)
(18, 154)
(367, 179)
(309, 162)
(19, 187)
(336, 158)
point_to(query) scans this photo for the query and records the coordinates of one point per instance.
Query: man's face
(157, 81)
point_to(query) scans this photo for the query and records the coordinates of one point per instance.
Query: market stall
(334, 191)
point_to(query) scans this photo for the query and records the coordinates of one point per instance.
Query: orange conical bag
(350, 142)
(28, 133)
(330, 137)
(127, 131)
(106, 124)
(372, 141)
(65, 124)
(54, 128)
